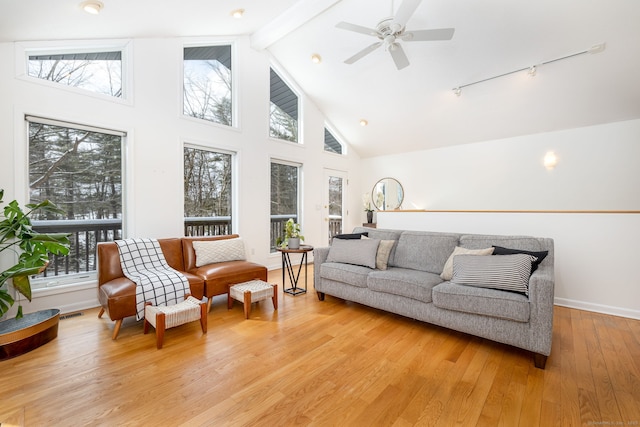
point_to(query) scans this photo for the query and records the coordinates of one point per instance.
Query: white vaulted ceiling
(414, 108)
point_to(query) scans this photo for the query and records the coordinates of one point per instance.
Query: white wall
(157, 131)
(597, 170)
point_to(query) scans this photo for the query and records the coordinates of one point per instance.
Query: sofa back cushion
(480, 241)
(423, 250)
(109, 267)
(189, 252)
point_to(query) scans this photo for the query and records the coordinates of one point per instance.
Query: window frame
(50, 283)
(235, 98)
(299, 196)
(25, 49)
(337, 137)
(296, 91)
(234, 179)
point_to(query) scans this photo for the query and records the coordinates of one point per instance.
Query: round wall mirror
(387, 194)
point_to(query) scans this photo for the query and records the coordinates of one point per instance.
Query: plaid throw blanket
(143, 262)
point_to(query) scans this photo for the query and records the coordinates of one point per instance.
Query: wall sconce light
(550, 160)
(92, 6)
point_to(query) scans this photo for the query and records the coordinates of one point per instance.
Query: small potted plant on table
(292, 236)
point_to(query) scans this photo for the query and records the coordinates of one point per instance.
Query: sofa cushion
(348, 274)
(213, 251)
(384, 251)
(540, 255)
(479, 241)
(357, 252)
(408, 283)
(486, 302)
(424, 251)
(506, 272)
(447, 271)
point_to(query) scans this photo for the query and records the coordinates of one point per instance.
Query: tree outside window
(207, 83)
(207, 192)
(80, 170)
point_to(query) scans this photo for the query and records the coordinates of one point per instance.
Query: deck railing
(85, 235)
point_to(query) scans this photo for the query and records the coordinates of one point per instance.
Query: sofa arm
(319, 257)
(541, 297)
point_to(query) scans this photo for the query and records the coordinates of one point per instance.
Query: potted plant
(33, 249)
(366, 200)
(292, 236)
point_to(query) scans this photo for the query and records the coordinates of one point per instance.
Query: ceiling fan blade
(398, 55)
(364, 52)
(357, 28)
(405, 11)
(428, 35)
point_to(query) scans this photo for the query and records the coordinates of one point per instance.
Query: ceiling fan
(392, 30)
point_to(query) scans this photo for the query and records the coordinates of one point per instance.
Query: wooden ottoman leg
(247, 304)
(203, 317)
(101, 313)
(275, 297)
(146, 322)
(160, 326)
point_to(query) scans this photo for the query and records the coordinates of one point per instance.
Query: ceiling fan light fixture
(316, 59)
(92, 6)
(237, 13)
(532, 71)
(457, 91)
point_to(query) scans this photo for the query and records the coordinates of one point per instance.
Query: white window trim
(235, 193)
(59, 284)
(338, 138)
(296, 90)
(24, 49)
(235, 98)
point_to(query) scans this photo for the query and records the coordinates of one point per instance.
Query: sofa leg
(320, 296)
(539, 360)
(209, 300)
(116, 329)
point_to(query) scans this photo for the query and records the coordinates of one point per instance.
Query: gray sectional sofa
(472, 300)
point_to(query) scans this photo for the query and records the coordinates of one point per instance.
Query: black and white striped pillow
(505, 272)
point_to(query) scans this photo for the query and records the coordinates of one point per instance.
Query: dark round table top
(301, 249)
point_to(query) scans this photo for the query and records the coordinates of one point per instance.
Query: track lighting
(532, 70)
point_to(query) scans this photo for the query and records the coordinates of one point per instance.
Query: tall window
(99, 72)
(208, 178)
(285, 194)
(207, 83)
(283, 122)
(331, 144)
(79, 168)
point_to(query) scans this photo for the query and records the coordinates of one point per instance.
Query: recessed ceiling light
(316, 59)
(363, 122)
(92, 6)
(237, 13)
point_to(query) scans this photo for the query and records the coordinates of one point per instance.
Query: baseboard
(598, 308)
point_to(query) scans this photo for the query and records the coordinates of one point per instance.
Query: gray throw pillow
(505, 272)
(356, 252)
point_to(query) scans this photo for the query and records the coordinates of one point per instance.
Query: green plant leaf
(22, 285)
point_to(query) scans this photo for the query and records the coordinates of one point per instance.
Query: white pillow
(447, 271)
(212, 251)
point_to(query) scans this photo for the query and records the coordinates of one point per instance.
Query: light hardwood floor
(331, 363)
